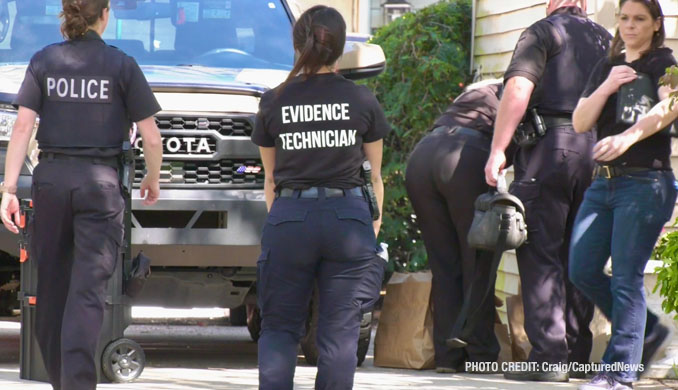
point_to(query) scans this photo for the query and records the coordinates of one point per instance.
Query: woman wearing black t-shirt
(633, 192)
(314, 132)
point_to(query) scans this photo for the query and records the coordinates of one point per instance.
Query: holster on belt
(530, 130)
(368, 189)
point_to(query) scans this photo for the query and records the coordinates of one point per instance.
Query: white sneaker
(604, 381)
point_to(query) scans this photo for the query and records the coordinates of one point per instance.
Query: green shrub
(667, 276)
(427, 56)
(667, 248)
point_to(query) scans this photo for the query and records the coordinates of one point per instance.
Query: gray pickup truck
(208, 63)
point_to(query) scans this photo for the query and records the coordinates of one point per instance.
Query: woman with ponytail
(314, 132)
(88, 95)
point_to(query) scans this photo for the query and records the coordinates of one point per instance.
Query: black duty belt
(610, 171)
(460, 130)
(109, 161)
(551, 121)
(314, 192)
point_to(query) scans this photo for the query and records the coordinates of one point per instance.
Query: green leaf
(427, 53)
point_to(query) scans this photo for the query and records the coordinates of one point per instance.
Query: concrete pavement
(223, 357)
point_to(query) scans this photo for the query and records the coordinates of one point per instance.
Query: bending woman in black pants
(442, 182)
(314, 132)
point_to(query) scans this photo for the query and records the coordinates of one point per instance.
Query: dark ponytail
(319, 36)
(78, 15)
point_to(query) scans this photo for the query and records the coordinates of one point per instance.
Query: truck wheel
(365, 337)
(308, 345)
(308, 342)
(254, 321)
(7, 303)
(238, 316)
(122, 361)
(9, 287)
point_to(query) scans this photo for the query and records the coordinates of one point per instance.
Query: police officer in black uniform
(443, 179)
(87, 95)
(314, 132)
(549, 69)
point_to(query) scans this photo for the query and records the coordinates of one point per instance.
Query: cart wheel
(123, 360)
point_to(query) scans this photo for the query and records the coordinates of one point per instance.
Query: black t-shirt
(318, 126)
(474, 109)
(87, 95)
(557, 54)
(654, 151)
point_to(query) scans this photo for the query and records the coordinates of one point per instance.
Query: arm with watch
(16, 154)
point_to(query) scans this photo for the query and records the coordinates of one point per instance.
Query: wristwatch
(7, 189)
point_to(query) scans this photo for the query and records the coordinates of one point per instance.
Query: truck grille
(184, 164)
(228, 173)
(226, 126)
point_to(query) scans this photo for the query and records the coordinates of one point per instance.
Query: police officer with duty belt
(443, 179)
(314, 132)
(87, 95)
(549, 69)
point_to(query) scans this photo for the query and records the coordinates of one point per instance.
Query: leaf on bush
(427, 53)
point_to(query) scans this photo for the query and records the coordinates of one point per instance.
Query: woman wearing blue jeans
(633, 192)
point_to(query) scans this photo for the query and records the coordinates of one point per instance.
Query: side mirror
(361, 60)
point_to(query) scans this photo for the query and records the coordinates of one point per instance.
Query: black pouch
(366, 173)
(530, 130)
(141, 270)
(635, 99)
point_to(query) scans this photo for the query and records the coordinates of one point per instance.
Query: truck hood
(178, 77)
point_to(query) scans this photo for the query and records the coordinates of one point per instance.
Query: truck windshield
(214, 33)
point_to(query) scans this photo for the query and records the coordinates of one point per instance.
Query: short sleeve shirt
(557, 54)
(99, 96)
(475, 109)
(318, 126)
(653, 152)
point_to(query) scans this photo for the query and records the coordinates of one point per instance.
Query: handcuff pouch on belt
(530, 130)
(368, 189)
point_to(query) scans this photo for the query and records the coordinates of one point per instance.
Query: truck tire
(7, 303)
(238, 316)
(253, 321)
(308, 342)
(8, 293)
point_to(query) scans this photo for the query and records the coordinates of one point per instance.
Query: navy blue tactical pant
(77, 233)
(444, 177)
(328, 240)
(550, 179)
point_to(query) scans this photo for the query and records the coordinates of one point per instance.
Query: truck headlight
(7, 119)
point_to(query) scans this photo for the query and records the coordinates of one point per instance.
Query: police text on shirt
(79, 89)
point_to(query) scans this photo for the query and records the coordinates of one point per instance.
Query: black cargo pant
(77, 233)
(307, 240)
(550, 180)
(444, 177)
